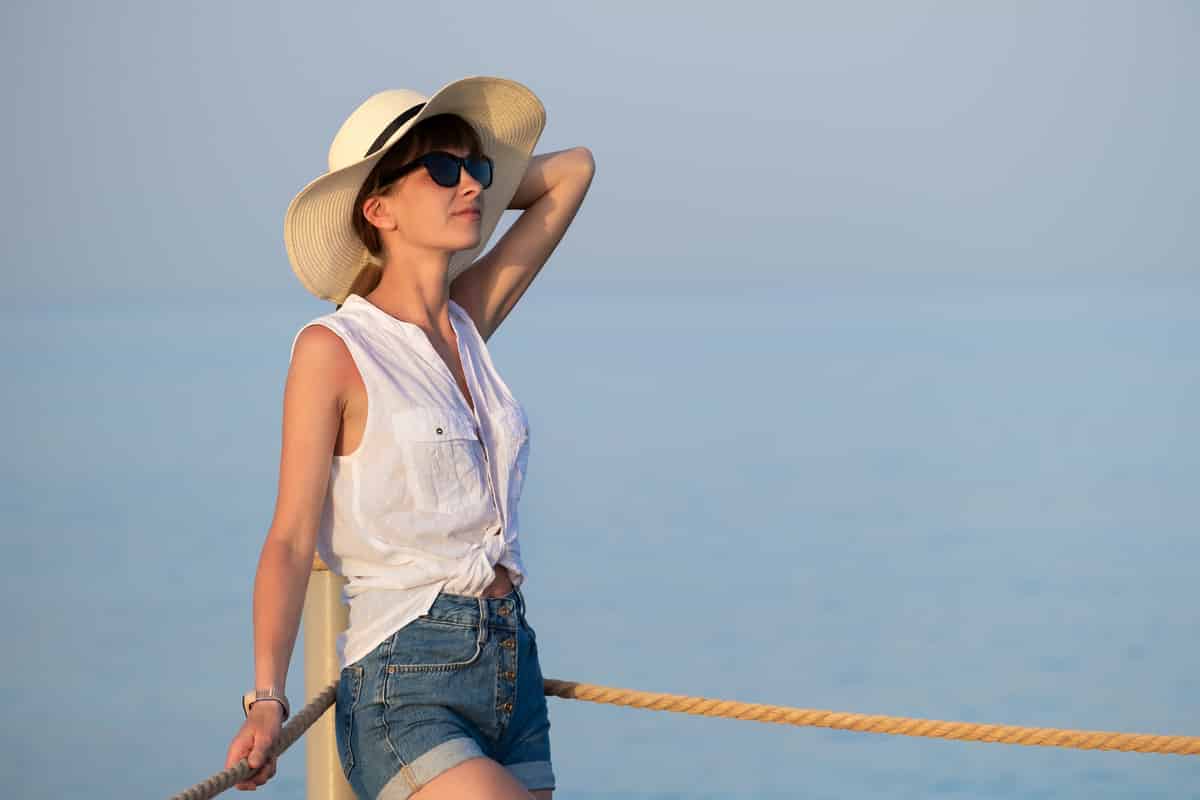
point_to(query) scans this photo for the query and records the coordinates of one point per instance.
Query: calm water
(955, 505)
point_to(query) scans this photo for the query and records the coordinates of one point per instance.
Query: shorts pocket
(443, 459)
(348, 690)
(432, 645)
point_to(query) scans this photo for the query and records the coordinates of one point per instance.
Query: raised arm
(549, 196)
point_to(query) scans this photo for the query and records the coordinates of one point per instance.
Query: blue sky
(158, 144)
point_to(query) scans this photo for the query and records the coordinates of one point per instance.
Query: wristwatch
(252, 697)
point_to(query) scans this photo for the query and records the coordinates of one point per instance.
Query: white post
(324, 618)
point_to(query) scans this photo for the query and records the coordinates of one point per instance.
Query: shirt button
(502, 611)
(439, 430)
(509, 643)
(510, 675)
(508, 706)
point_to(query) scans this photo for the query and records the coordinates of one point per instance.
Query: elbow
(294, 543)
(585, 158)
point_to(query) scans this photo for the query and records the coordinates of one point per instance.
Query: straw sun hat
(325, 252)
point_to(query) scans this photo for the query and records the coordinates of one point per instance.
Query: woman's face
(426, 215)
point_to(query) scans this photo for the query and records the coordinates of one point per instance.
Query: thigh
(479, 778)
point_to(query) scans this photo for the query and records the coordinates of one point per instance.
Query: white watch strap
(252, 697)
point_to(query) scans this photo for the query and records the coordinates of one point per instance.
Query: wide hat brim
(325, 252)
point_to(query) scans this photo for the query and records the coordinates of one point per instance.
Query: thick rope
(293, 730)
(902, 726)
(757, 712)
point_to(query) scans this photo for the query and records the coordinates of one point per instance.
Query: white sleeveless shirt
(428, 501)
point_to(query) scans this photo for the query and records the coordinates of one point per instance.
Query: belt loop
(483, 623)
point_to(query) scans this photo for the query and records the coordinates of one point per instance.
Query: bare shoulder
(317, 342)
(320, 352)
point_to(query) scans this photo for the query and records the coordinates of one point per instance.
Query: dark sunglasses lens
(446, 170)
(480, 168)
(443, 169)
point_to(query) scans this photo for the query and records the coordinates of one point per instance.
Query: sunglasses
(445, 169)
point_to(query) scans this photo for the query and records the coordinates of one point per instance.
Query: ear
(377, 213)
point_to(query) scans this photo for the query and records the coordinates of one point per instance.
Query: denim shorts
(458, 682)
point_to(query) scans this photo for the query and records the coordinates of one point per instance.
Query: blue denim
(458, 682)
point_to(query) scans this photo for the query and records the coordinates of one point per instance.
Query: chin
(468, 243)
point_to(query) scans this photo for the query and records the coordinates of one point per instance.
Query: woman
(404, 452)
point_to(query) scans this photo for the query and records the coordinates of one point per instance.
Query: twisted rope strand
(877, 723)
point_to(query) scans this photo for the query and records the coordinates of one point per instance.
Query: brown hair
(437, 132)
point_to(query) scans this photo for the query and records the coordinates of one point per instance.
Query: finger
(261, 770)
(237, 750)
(258, 756)
(247, 783)
(266, 773)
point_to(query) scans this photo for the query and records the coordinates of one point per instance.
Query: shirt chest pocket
(443, 459)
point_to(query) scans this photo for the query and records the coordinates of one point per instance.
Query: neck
(415, 292)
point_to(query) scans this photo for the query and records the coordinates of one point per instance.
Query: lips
(470, 212)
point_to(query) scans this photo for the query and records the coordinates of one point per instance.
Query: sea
(935, 499)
